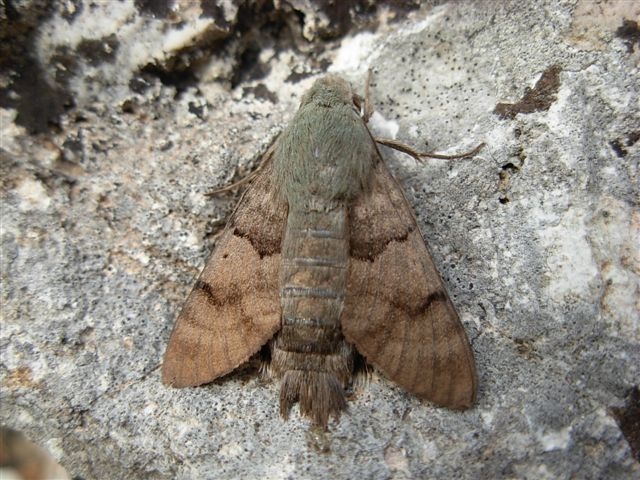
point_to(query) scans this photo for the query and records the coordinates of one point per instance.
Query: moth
(322, 265)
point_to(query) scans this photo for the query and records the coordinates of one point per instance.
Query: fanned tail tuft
(320, 395)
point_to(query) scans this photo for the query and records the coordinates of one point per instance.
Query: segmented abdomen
(309, 351)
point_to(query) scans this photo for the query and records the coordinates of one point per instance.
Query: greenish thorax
(325, 157)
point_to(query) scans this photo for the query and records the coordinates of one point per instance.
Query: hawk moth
(322, 261)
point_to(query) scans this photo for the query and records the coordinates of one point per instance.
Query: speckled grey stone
(104, 225)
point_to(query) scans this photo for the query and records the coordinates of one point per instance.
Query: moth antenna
(401, 147)
(366, 106)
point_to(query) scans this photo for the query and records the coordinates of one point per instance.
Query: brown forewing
(234, 308)
(397, 312)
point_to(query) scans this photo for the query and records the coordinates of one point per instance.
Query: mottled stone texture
(117, 117)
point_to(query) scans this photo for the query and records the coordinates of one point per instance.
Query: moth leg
(263, 161)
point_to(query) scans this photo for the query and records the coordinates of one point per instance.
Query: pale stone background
(117, 117)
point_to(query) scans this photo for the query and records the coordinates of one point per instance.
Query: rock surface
(116, 120)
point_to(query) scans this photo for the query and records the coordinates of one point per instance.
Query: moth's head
(329, 91)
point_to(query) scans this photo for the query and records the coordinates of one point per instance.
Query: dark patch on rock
(71, 9)
(213, 9)
(179, 78)
(39, 103)
(618, 148)
(66, 65)
(249, 66)
(620, 145)
(154, 8)
(536, 99)
(141, 83)
(97, 51)
(198, 109)
(262, 92)
(628, 418)
(629, 33)
(633, 137)
(295, 77)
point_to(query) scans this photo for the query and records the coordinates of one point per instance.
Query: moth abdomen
(309, 335)
(310, 352)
